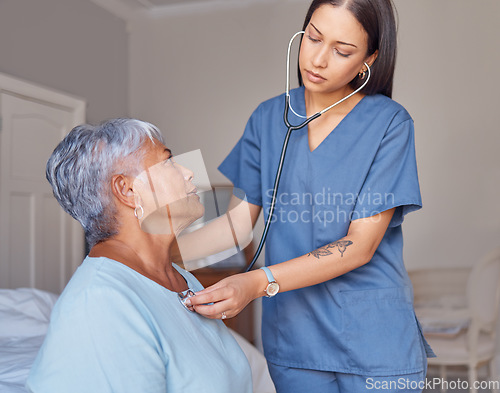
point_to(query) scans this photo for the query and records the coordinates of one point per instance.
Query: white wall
(199, 75)
(69, 45)
(447, 79)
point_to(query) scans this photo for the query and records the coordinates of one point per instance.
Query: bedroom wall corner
(73, 46)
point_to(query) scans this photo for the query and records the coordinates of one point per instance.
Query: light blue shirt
(361, 322)
(115, 330)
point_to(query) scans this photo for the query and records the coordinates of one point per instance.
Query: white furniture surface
(459, 310)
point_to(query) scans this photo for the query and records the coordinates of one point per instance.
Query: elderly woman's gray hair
(82, 165)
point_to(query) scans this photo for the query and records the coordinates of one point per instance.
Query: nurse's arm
(232, 294)
(231, 229)
(336, 258)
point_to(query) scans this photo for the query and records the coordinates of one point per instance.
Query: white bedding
(24, 319)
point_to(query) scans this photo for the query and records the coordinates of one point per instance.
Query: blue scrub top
(361, 322)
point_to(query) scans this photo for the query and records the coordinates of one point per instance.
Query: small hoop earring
(362, 75)
(137, 215)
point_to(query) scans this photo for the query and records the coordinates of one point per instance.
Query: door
(40, 244)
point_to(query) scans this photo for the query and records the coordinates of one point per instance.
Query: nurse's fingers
(210, 288)
(235, 292)
(214, 295)
(219, 310)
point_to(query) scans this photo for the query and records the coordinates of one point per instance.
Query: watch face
(272, 289)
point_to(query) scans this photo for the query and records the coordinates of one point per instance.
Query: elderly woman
(119, 325)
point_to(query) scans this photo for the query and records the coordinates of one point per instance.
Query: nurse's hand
(230, 295)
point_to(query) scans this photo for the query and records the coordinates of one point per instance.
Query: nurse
(338, 314)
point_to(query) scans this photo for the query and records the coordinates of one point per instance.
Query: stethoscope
(291, 128)
(183, 296)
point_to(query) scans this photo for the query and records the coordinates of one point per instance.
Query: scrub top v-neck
(361, 322)
(302, 106)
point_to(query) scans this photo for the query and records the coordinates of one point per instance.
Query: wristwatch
(273, 287)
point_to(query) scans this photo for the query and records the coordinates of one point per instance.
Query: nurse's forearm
(336, 258)
(233, 293)
(321, 265)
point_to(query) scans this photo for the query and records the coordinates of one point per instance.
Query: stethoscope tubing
(277, 179)
(286, 140)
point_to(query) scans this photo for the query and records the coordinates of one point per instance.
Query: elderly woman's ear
(122, 188)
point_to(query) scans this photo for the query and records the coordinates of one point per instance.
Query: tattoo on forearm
(325, 250)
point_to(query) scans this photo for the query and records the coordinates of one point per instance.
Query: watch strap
(269, 275)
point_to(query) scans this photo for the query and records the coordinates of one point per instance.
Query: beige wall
(446, 78)
(69, 45)
(200, 75)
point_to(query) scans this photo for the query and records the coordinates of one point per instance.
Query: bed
(24, 319)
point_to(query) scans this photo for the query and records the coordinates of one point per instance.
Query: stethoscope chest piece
(183, 296)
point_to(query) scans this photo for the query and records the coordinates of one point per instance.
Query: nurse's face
(333, 50)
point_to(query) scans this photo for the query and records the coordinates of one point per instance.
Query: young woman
(343, 319)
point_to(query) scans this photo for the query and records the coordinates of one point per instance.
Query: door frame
(76, 106)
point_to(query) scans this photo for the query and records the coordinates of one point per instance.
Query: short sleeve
(104, 346)
(243, 164)
(392, 180)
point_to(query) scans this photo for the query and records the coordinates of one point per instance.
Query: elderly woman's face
(165, 192)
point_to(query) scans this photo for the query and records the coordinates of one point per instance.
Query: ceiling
(152, 4)
(132, 9)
